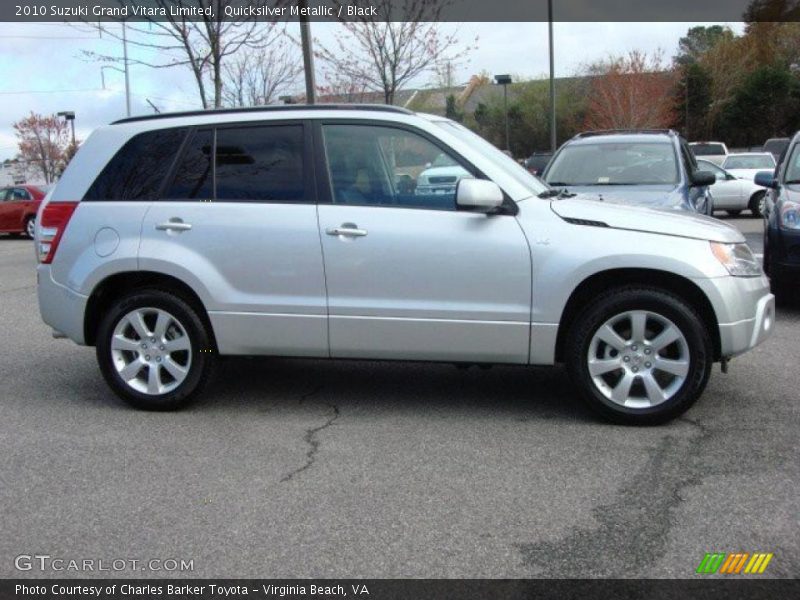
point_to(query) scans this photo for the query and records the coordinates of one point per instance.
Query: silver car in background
(292, 231)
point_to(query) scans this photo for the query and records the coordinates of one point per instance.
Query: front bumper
(60, 307)
(745, 311)
(739, 337)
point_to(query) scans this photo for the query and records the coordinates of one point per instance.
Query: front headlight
(790, 215)
(737, 258)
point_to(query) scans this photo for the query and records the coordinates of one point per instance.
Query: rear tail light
(55, 217)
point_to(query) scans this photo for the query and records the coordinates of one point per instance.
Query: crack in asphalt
(310, 437)
(634, 526)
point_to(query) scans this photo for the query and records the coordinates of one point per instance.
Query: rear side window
(193, 177)
(263, 163)
(137, 171)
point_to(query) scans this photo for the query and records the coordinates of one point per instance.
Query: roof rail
(624, 131)
(273, 108)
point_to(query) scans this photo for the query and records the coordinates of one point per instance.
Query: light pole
(553, 137)
(504, 80)
(125, 63)
(308, 55)
(69, 116)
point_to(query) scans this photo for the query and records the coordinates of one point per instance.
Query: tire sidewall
(25, 232)
(666, 305)
(198, 337)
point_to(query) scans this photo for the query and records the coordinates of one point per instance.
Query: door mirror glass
(701, 178)
(479, 195)
(766, 179)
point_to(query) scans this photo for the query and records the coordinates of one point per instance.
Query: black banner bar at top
(401, 10)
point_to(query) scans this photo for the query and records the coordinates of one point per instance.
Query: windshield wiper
(557, 192)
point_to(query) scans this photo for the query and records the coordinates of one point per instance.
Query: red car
(18, 206)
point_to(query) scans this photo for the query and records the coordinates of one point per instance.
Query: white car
(734, 194)
(716, 152)
(745, 165)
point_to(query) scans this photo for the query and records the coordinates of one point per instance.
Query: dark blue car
(653, 168)
(782, 221)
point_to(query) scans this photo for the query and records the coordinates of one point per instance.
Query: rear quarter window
(138, 169)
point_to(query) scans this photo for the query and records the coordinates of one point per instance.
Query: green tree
(451, 110)
(766, 104)
(692, 101)
(699, 40)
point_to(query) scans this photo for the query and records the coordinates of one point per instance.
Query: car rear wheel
(30, 227)
(154, 350)
(639, 355)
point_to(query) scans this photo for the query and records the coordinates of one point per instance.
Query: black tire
(28, 221)
(734, 213)
(755, 204)
(664, 304)
(202, 354)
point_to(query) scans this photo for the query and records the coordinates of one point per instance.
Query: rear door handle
(346, 229)
(174, 225)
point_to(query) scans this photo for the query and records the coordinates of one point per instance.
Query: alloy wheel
(151, 351)
(638, 359)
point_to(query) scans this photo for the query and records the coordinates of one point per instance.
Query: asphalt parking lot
(299, 468)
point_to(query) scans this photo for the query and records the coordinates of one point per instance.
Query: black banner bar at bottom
(398, 589)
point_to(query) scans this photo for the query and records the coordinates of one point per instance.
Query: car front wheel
(154, 350)
(639, 355)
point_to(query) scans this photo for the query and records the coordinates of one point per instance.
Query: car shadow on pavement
(528, 393)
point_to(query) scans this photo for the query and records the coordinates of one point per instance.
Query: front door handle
(346, 229)
(174, 225)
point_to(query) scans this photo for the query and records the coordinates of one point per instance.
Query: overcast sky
(42, 68)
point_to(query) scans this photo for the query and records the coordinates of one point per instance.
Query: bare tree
(44, 144)
(202, 43)
(385, 55)
(631, 91)
(256, 77)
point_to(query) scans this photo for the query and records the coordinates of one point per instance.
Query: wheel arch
(107, 291)
(602, 281)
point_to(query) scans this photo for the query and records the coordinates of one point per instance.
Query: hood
(639, 218)
(654, 196)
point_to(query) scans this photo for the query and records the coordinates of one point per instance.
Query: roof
(750, 154)
(622, 135)
(275, 108)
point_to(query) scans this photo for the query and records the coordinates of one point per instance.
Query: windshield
(497, 156)
(764, 161)
(793, 166)
(707, 149)
(634, 163)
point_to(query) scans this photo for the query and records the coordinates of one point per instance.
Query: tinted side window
(138, 169)
(193, 178)
(263, 163)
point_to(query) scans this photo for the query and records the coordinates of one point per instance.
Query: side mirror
(703, 178)
(479, 195)
(766, 179)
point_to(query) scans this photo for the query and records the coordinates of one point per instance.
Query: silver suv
(299, 231)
